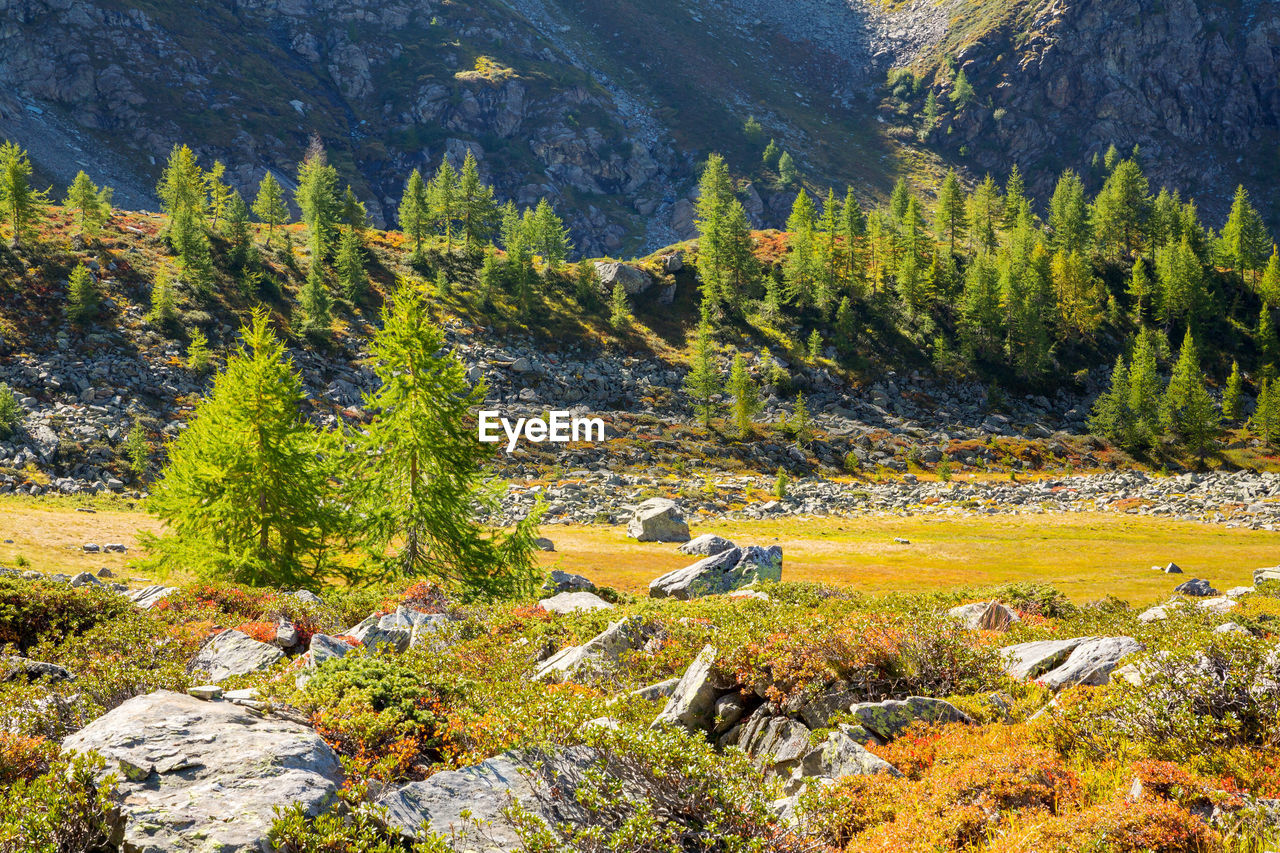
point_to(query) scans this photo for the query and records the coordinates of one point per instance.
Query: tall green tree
(317, 198)
(951, 219)
(798, 268)
(218, 193)
(349, 264)
(1231, 402)
(1069, 215)
(724, 240)
(1244, 240)
(702, 383)
(477, 209)
(314, 303)
(245, 495)
(551, 238)
(89, 205)
(1121, 209)
(23, 206)
(183, 198)
(1187, 409)
(269, 206)
(1145, 391)
(83, 298)
(442, 200)
(418, 475)
(746, 396)
(1182, 283)
(1111, 414)
(415, 214)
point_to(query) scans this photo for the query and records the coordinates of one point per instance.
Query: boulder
(839, 755)
(233, 653)
(1161, 612)
(693, 702)
(13, 668)
(324, 647)
(706, 545)
(468, 806)
(574, 602)
(1091, 662)
(558, 581)
(1030, 660)
(307, 596)
(654, 692)
(985, 616)
(382, 630)
(1197, 588)
(1219, 605)
(1172, 569)
(633, 280)
(598, 655)
(658, 520)
(775, 744)
(720, 573)
(886, 720)
(204, 776)
(1268, 574)
(149, 596)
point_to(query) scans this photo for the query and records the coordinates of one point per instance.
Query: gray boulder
(149, 596)
(1196, 587)
(324, 647)
(633, 280)
(1161, 612)
(1091, 662)
(233, 653)
(839, 755)
(720, 573)
(382, 630)
(203, 776)
(1029, 660)
(693, 702)
(13, 668)
(706, 545)
(574, 602)
(598, 655)
(1268, 574)
(658, 520)
(558, 581)
(985, 616)
(886, 720)
(467, 806)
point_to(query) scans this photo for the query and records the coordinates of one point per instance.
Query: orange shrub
(1117, 826)
(263, 632)
(24, 757)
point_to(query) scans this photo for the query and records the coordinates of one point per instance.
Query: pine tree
(1182, 381)
(218, 192)
(1268, 342)
(22, 206)
(314, 303)
(349, 265)
(269, 206)
(798, 267)
(950, 218)
(1231, 394)
(353, 215)
(163, 310)
(317, 198)
(703, 380)
(826, 264)
(1111, 415)
(1268, 286)
(800, 422)
(619, 308)
(551, 238)
(489, 277)
(89, 205)
(419, 472)
(1244, 238)
(1015, 196)
(138, 450)
(1069, 215)
(986, 213)
(199, 359)
(415, 214)
(442, 200)
(586, 284)
(788, 174)
(962, 93)
(931, 112)
(1080, 293)
(245, 495)
(83, 298)
(1182, 286)
(1145, 391)
(1121, 209)
(239, 235)
(443, 287)
(1141, 288)
(478, 210)
(815, 345)
(980, 314)
(1265, 422)
(780, 484)
(182, 196)
(844, 325)
(772, 153)
(746, 397)
(724, 240)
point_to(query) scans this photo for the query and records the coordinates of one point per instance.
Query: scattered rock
(706, 545)
(233, 653)
(544, 544)
(150, 596)
(1030, 660)
(886, 720)
(558, 581)
(1091, 662)
(724, 572)
(574, 602)
(634, 281)
(599, 654)
(693, 702)
(1196, 587)
(658, 520)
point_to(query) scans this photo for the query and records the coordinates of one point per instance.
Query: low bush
(30, 610)
(59, 811)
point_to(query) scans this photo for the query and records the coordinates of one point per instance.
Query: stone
(85, 579)
(775, 744)
(558, 581)
(1221, 604)
(13, 668)
(1268, 574)
(233, 653)
(724, 572)
(1231, 628)
(1091, 662)
(451, 803)
(324, 647)
(1030, 660)
(838, 756)
(1196, 587)
(706, 545)
(1161, 612)
(1240, 591)
(654, 692)
(1172, 569)
(886, 720)
(658, 520)
(598, 655)
(382, 630)
(149, 596)
(574, 602)
(634, 281)
(729, 710)
(985, 616)
(542, 543)
(198, 776)
(673, 263)
(205, 691)
(286, 634)
(693, 702)
(308, 596)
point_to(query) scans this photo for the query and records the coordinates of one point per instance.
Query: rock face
(693, 702)
(204, 776)
(658, 520)
(1269, 574)
(483, 791)
(887, 720)
(1196, 587)
(233, 653)
(724, 572)
(634, 281)
(1091, 662)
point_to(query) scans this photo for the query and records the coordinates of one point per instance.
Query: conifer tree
(1265, 421)
(199, 358)
(245, 495)
(314, 303)
(788, 174)
(317, 198)
(703, 380)
(419, 472)
(354, 215)
(826, 266)
(1015, 196)
(349, 265)
(798, 267)
(986, 212)
(1145, 391)
(1069, 215)
(853, 230)
(586, 284)
(1187, 410)
(962, 93)
(1141, 288)
(844, 325)
(619, 308)
(83, 298)
(138, 449)
(980, 314)
(89, 205)
(1121, 209)
(1244, 238)
(163, 310)
(489, 277)
(1231, 394)
(239, 235)
(478, 210)
(442, 200)
(800, 422)
(724, 256)
(746, 397)
(951, 220)
(183, 198)
(22, 205)
(1111, 415)
(269, 206)
(1182, 286)
(218, 192)
(1268, 342)
(1081, 296)
(1268, 286)
(771, 154)
(931, 112)
(551, 238)
(415, 214)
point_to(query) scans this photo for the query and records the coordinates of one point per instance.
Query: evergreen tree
(269, 206)
(788, 174)
(586, 284)
(800, 422)
(986, 212)
(182, 196)
(418, 476)
(1269, 285)
(962, 93)
(980, 314)
(551, 238)
(163, 310)
(1069, 215)
(724, 239)
(1231, 394)
(415, 214)
(951, 220)
(798, 267)
(1121, 209)
(1182, 286)
(931, 112)
(349, 265)
(442, 200)
(1111, 415)
(245, 495)
(23, 206)
(853, 231)
(746, 397)
(825, 261)
(1080, 293)
(1268, 342)
(83, 298)
(239, 235)
(1265, 421)
(317, 198)
(199, 358)
(899, 198)
(89, 205)
(314, 303)
(815, 345)
(772, 153)
(619, 308)
(1141, 289)
(478, 210)
(488, 279)
(1145, 391)
(1244, 238)
(703, 380)
(138, 449)
(218, 192)
(844, 325)
(354, 215)
(1015, 196)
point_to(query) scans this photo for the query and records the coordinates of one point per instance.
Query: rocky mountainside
(607, 107)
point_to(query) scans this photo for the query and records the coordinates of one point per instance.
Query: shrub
(56, 812)
(31, 609)
(1123, 826)
(351, 825)
(10, 411)
(24, 757)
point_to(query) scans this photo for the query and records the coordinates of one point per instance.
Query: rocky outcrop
(727, 571)
(1090, 662)
(198, 776)
(574, 602)
(597, 656)
(233, 653)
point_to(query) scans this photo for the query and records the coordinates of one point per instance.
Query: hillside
(580, 102)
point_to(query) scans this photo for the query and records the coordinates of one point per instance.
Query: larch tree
(798, 267)
(746, 396)
(702, 383)
(89, 205)
(317, 199)
(23, 205)
(477, 209)
(950, 217)
(1232, 393)
(219, 193)
(1244, 240)
(349, 265)
(442, 200)
(419, 475)
(415, 214)
(1069, 215)
(270, 206)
